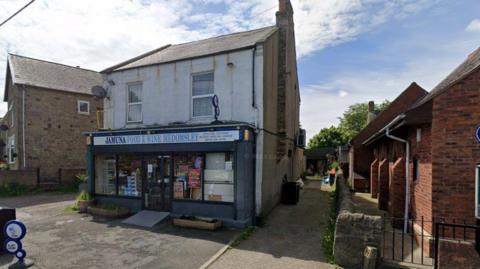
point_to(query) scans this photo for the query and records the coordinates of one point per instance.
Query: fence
(431, 242)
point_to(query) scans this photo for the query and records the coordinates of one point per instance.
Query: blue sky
(348, 50)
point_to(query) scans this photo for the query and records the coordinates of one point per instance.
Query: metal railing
(454, 229)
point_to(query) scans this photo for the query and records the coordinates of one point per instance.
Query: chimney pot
(371, 106)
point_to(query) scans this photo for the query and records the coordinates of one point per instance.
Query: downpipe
(407, 175)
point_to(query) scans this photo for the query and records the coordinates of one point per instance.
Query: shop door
(158, 188)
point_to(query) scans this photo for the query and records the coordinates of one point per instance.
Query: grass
(71, 208)
(329, 233)
(244, 235)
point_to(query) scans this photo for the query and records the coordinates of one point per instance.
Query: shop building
(49, 106)
(207, 128)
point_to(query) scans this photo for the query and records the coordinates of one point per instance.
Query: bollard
(370, 255)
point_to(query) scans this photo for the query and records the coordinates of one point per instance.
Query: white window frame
(11, 146)
(134, 103)
(201, 96)
(79, 103)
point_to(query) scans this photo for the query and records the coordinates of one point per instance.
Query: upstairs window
(202, 93)
(134, 105)
(83, 107)
(416, 169)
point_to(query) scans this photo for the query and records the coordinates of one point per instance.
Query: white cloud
(473, 26)
(96, 34)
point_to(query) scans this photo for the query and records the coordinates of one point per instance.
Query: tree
(328, 137)
(355, 118)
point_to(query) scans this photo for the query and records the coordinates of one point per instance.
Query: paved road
(57, 239)
(292, 237)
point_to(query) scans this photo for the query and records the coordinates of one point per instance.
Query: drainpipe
(254, 50)
(407, 174)
(23, 127)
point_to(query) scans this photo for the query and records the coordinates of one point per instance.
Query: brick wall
(455, 151)
(374, 178)
(54, 129)
(396, 203)
(454, 254)
(383, 179)
(421, 193)
(23, 177)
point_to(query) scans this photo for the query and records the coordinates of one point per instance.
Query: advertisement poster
(194, 178)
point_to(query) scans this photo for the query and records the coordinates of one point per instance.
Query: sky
(348, 51)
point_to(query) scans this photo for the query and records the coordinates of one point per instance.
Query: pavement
(292, 237)
(59, 239)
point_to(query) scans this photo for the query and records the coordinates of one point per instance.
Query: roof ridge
(51, 62)
(225, 35)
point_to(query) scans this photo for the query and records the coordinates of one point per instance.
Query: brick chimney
(371, 112)
(286, 52)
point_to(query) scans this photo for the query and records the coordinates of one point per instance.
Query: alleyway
(292, 237)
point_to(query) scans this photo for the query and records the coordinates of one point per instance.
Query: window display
(188, 177)
(105, 176)
(219, 174)
(129, 175)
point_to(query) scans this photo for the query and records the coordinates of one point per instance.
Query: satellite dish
(3, 127)
(99, 91)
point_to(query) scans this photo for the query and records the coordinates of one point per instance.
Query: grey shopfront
(203, 171)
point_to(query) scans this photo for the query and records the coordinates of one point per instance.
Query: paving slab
(292, 237)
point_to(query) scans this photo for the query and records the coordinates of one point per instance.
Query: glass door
(158, 187)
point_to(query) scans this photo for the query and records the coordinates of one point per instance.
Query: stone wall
(454, 254)
(354, 231)
(22, 177)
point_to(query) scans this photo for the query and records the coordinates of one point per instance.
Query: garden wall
(22, 177)
(353, 231)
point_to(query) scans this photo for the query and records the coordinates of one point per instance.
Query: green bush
(14, 189)
(329, 233)
(335, 165)
(84, 196)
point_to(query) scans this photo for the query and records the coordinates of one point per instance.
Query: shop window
(188, 177)
(416, 169)
(219, 177)
(83, 107)
(105, 175)
(202, 93)
(129, 175)
(134, 105)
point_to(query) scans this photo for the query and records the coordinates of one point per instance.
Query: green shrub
(329, 233)
(335, 165)
(84, 196)
(14, 189)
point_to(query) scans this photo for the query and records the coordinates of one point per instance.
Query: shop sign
(167, 138)
(15, 231)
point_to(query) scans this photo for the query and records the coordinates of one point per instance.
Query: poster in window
(194, 178)
(178, 190)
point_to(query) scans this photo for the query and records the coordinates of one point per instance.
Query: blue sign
(15, 231)
(477, 134)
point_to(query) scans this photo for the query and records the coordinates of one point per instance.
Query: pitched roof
(210, 46)
(55, 76)
(463, 70)
(402, 103)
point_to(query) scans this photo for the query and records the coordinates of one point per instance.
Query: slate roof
(55, 76)
(463, 70)
(190, 50)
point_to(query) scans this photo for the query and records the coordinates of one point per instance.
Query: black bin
(290, 193)
(6, 214)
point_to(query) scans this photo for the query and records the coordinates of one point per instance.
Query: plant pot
(198, 224)
(83, 205)
(82, 187)
(117, 213)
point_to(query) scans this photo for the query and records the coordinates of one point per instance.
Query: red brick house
(360, 155)
(443, 152)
